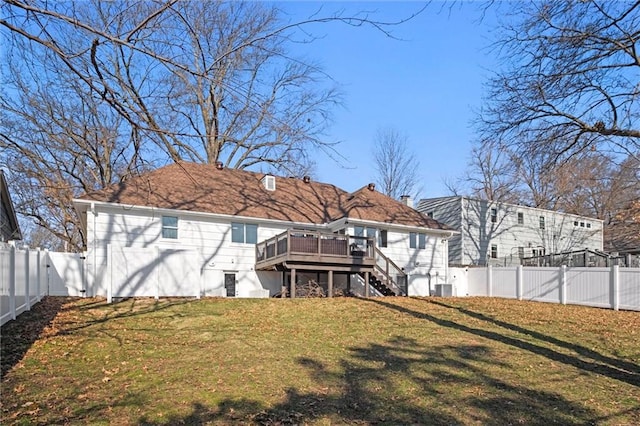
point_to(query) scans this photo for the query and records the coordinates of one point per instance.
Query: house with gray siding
(501, 233)
(205, 230)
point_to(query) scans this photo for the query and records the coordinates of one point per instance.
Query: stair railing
(392, 275)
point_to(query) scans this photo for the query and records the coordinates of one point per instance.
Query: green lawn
(320, 361)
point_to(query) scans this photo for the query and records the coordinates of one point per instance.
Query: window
(581, 224)
(588, 225)
(417, 240)
(244, 233)
(494, 215)
(370, 232)
(361, 231)
(538, 252)
(430, 214)
(520, 218)
(382, 238)
(541, 222)
(170, 227)
(494, 251)
(520, 252)
(575, 223)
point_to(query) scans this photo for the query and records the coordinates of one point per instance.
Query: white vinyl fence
(152, 272)
(26, 275)
(613, 287)
(22, 280)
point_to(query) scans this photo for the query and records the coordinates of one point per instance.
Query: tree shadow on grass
(20, 334)
(624, 366)
(596, 364)
(120, 309)
(400, 381)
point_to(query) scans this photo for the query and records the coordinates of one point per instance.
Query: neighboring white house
(497, 233)
(205, 230)
(9, 226)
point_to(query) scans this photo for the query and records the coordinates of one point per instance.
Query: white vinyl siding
(208, 240)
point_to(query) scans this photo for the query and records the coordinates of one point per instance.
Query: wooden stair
(388, 278)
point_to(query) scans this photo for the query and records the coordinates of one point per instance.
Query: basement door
(230, 284)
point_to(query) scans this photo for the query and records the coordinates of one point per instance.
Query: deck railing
(294, 242)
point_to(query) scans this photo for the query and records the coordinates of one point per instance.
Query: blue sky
(425, 85)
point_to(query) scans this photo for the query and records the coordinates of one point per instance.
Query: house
(502, 234)
(9, 227)
(246, 234)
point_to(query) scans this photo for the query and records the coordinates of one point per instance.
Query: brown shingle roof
(204, 188)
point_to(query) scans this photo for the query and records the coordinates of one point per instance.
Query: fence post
(38, 273)
(47, 259)
(109, 273)
(83, 273)
(157, 270)
(489, 281)
(201, 277)
(12, 281)
(27, 290)
(519, 284)
(563, 284)
(615, 287)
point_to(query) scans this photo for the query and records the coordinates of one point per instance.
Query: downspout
(445, 242)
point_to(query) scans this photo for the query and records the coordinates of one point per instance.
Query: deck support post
(366, 284)
(293, 284)
(330, 284)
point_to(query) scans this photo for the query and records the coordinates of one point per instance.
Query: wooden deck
(311, 250)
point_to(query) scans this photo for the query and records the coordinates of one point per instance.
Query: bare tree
(569, 81)
(396, 165)
(491, 173)
(58, 140)
(591, 184)
(623, 233)
(96, 91)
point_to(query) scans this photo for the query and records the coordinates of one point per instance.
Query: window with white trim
(417, 240)
(520, 218)
(246, 233)
(170, 227)
(494, 251)
(494, 215)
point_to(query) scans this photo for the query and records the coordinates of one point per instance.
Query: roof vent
(269, 182)
(371, 187)
(219, 165)
(306, 179)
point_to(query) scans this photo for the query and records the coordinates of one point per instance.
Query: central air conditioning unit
(444, 290)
